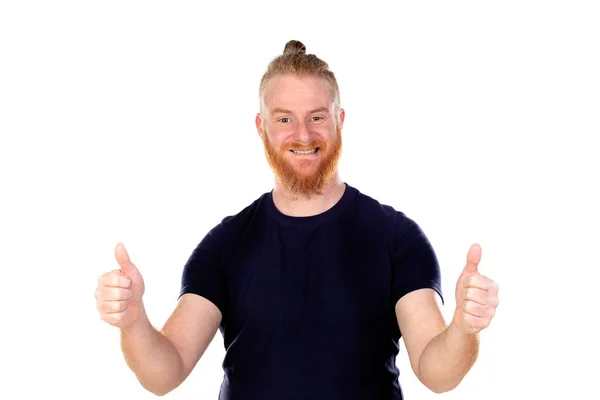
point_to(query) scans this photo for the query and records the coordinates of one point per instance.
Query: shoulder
(236, 224)
(382, 215)
(378, 212)
(218, 240)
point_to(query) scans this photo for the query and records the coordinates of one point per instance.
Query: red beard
(304, 178)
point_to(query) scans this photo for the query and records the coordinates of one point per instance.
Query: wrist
(459, 330)
(140, 321)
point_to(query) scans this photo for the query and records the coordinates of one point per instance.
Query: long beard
(304, 179)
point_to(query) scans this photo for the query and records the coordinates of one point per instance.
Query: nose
(303, 133)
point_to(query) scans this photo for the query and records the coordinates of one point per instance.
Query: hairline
(335, 101)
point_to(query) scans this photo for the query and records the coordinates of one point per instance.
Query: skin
(440, 354)
(287, 121)
(161, 359)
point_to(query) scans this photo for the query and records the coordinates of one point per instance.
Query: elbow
(157, 390)
(160, 388)
(440, 387)
(163, 381)
(161, 391)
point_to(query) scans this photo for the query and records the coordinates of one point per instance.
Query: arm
(162, 360)
(441, 355)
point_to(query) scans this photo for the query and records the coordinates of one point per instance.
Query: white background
(134, 122)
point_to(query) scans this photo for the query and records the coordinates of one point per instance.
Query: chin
(305, 171)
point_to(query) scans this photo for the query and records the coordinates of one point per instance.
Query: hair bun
(294, 46)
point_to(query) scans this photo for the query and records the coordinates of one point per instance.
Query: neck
(303, 206)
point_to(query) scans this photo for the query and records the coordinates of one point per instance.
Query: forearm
(447, 359)
(151, 356)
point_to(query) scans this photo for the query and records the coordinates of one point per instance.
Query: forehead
(296, 93)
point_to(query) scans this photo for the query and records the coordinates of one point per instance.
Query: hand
(119, 292)
(476, 296)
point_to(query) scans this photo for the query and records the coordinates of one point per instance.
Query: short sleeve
(203, 273)
(415, 264)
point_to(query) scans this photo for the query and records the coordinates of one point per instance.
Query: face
(301, 131)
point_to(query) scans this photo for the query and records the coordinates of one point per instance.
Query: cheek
(272, 136)
(274, 141)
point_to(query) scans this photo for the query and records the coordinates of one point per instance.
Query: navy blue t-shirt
(308, 302)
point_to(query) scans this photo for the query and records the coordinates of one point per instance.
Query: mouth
(305, 152)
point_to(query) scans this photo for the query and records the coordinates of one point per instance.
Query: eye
(284, 120)
(316, 118)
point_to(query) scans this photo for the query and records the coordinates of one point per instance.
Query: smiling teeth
(305, 151)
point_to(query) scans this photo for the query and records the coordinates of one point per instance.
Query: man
(313, 284)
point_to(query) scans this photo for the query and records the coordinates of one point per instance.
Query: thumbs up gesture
(119, 292)
(476, 296)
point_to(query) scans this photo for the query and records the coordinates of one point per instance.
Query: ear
(342, 116)
(259, 124)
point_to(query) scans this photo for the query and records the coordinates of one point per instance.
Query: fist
(119, 292)
(476, 296)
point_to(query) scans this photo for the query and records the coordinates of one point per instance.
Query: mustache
(302, 146)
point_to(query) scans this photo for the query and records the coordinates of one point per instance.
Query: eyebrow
(284, 111)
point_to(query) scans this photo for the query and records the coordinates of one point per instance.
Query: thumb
(473, 258)
(122, 258)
